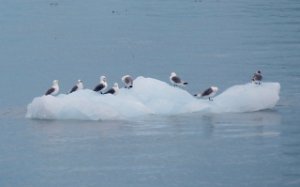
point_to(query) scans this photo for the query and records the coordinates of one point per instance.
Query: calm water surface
(207, 42)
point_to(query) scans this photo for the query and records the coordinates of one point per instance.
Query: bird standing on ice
(257, 77)
(114, 90)
(128, 81)
(176, 81)
(78, 86)
(210, 92)
(54, 89)
(102, 85)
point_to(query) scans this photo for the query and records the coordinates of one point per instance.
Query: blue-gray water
(205, 41)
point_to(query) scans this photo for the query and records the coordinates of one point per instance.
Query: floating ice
(151, 96)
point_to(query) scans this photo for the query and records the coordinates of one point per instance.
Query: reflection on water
(255, 143)
(264, 123)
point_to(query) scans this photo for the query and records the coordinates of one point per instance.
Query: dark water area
(207, 42)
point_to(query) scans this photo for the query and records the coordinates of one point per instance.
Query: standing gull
(102, 85)
(54, 88)
(210, 92)
(176, 81)
(257, 77)
(128, 81)
(114, 90)
(78, 86)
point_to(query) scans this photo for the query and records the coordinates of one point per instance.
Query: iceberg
(151, 96)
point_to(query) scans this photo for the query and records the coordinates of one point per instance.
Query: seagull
(128, 81)
(114, 90)
(209, 92)
(257, 77)
(176, 81)
(78, 86)
(54, 89)
(102, 85)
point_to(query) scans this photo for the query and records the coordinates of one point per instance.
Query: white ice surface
(151, 96)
